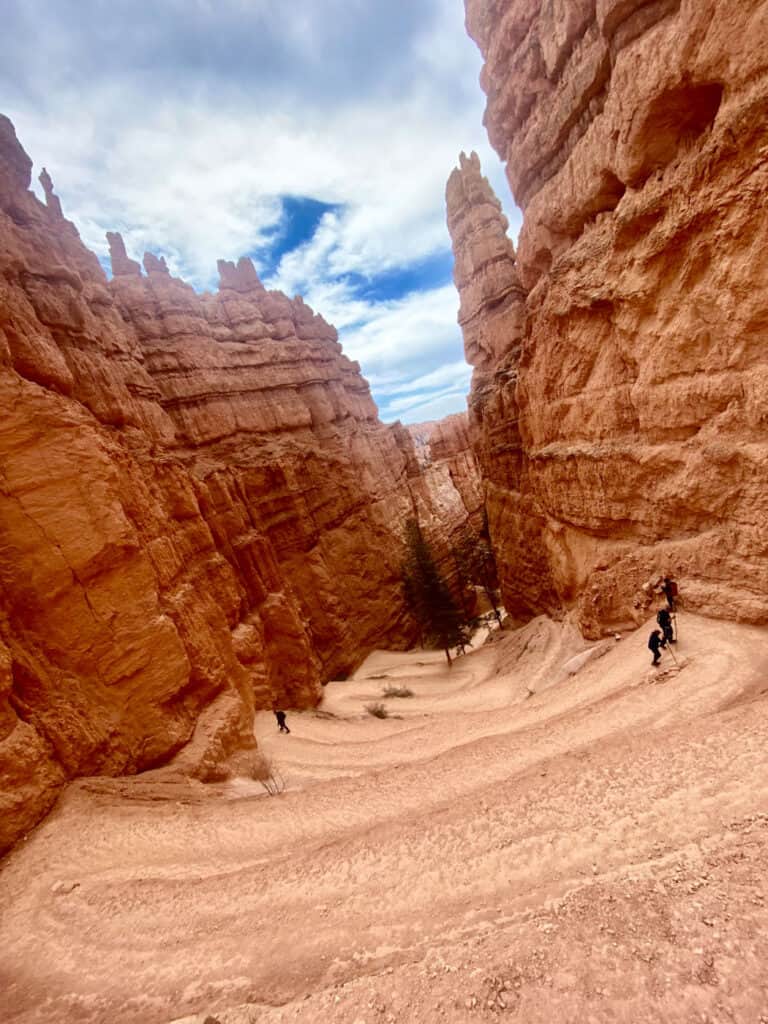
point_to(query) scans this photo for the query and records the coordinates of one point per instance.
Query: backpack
(672, 588)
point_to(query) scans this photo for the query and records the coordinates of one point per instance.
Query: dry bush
(377, 710)
(263, 770)
(397, 691)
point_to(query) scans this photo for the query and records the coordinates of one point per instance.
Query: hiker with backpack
(668, 588)
(664, 619)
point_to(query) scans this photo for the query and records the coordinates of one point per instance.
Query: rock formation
(200, 511)
(446, 489)
(51, 199)
(620, 398)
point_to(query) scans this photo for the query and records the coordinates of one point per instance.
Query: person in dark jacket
(669, 590)
(664, 619)
(280, 716)
(654, 644)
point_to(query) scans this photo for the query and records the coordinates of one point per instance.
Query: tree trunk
(448, 657)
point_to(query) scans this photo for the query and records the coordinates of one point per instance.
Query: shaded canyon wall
(200, 511)
(619, 403)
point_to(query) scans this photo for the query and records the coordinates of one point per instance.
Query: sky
(315, 136)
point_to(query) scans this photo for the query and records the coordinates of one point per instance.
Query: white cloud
(429, 407)
(406, 335)
(454, 375)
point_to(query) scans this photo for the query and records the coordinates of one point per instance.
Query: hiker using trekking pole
(664, 619)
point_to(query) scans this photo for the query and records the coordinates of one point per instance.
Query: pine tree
(477, 564)
(427, 594)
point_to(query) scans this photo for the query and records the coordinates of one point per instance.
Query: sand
(531, 835)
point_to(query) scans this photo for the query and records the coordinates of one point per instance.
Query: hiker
(280, 716)
(664, 619)
(669, 590)
(654, 644)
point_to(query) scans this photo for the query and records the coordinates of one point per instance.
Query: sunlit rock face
(619, 405)
(200, 512)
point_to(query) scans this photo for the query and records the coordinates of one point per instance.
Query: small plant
(377, 709)
(262, 770)
(397, 691)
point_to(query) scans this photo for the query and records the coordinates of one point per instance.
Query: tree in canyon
(428, 596)
(476, 566)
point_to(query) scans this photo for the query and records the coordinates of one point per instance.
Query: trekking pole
(668, 648)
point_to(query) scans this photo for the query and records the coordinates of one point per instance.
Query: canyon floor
(519, 839)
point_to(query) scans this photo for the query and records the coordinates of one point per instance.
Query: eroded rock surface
(447, 490)
(200, 511)
(620, 397)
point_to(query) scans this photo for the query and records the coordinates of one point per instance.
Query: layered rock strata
(200, 512)
(620, 397)
(447, 494)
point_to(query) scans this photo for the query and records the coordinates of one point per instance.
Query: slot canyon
(203, 517)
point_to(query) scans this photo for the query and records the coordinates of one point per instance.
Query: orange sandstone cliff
(619, 404)
(449, 498)
(200, 512)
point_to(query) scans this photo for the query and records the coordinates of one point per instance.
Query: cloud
(406, 338)
(189, 126)
(453, 375)
(430, 407)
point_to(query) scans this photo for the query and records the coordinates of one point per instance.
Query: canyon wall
(449, 497)
(619, 404)
(200, 512)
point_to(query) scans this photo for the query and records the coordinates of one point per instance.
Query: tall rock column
(492, 319)
(634, 139)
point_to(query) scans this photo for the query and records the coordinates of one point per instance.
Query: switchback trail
(531, 834)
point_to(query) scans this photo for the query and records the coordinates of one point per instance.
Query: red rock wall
(200, 511)
(620, 397)
(447, 491)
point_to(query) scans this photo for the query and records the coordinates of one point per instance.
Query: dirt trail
(518, 841)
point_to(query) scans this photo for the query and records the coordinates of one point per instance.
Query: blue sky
(315, 136)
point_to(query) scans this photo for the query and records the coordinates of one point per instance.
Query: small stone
(63, 888)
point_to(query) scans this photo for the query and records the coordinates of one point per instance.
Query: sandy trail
(594, 851)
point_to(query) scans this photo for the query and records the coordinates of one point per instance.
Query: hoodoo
(200, 510)
(619, 403)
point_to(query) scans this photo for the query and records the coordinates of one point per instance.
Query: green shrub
(397, 691)
(378, 710)
(262, 770)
